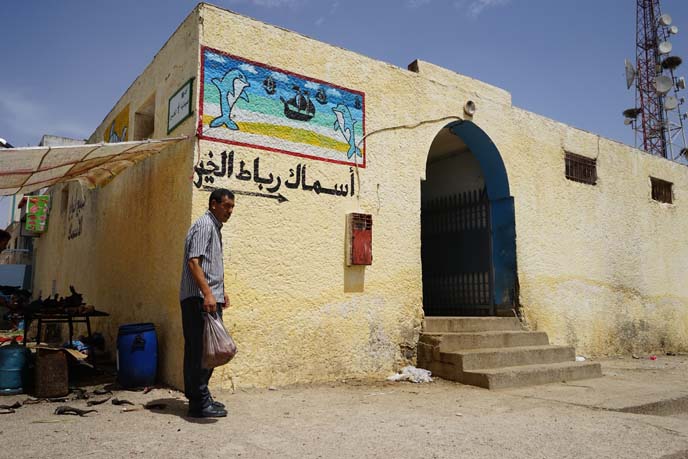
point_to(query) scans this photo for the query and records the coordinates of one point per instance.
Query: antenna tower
(657, 116)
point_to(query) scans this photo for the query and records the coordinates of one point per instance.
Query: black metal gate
(456, 255)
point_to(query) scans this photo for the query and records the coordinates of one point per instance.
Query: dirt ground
(379, 419)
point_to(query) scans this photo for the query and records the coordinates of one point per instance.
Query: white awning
(23, 170)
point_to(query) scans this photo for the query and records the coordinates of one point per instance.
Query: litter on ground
(413, 374)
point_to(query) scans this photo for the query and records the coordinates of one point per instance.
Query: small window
(661, 190)
(581, 169)
(144, 120)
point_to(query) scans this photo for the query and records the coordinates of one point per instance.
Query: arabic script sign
(223, 168)
(251, 104)
(179, 106)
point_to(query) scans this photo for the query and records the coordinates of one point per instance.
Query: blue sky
(65, 63)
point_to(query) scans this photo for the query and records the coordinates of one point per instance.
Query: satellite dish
(681, 83)
(630, 74)
(628, 121)
(663, 84)
(631, 113)
(670, 103)
(665, 47)
(671, 62)
(673, 30)
(665, 20)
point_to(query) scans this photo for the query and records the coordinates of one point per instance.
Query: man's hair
(218, 194)
(4, 235)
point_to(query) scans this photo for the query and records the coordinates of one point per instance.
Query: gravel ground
(351, 419)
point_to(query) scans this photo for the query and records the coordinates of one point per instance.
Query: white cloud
(416, 3)
(248, 68)
(280, 77)
(319, 21)
(312, 85)
(216, 58)
(333, 92)
(475, 7)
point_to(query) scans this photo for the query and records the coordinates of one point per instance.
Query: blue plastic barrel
(12, 369)
(137, 355)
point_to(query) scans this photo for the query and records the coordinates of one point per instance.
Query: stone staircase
(496, 353)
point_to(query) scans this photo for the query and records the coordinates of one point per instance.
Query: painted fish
(345, 124)
(231, 88)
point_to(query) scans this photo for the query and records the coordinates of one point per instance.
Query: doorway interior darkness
(468, 239)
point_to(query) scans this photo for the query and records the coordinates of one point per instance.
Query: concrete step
(450, 342)
(470, 324)
(528, 375)
(508, 356)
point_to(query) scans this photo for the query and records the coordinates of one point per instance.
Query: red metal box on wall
(359, 239)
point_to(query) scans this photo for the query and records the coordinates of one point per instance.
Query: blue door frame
(502, 216)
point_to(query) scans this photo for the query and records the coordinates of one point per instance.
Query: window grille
(581, 169)
(661, 190)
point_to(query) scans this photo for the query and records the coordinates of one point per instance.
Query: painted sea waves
(248, 103)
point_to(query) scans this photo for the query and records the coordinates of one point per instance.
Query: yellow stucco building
(306, 133)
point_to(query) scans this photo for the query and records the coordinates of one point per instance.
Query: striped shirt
(204, 241)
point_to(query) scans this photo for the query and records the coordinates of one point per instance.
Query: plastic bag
(218, 346)
(413, 374)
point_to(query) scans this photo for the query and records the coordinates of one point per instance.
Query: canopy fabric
(23, 170)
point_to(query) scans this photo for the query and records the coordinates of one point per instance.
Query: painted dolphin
(231, 88)
(113, 137)
(345, 124)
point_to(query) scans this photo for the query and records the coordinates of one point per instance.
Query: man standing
(202, 291)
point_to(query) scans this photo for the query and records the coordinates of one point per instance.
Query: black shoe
(209, 411)
(217, 404)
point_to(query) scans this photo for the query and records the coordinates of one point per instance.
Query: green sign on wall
(37, 213)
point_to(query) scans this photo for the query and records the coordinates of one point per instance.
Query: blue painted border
(502, 213)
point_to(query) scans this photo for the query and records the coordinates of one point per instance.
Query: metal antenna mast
(657, 116)
(647, 60)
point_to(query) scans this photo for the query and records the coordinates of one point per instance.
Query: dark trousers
(195, 376)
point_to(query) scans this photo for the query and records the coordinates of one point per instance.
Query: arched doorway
(468, 236)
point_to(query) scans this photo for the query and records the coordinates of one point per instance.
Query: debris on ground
(116, 401)
(413, 374)
(73, 411)
(97, 402)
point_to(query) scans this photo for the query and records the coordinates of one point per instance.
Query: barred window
(581, 169)
(661, 190)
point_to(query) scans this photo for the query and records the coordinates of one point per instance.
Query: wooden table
(60, 318)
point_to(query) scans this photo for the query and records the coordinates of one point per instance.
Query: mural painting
(229, 171)
(119, 128)
(251, 104)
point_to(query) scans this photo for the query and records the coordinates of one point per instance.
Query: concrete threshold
(666, 407)
(644, 387)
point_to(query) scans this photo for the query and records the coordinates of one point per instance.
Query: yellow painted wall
(599, 267)
(593, 271)
(125, 253)
(299, 314)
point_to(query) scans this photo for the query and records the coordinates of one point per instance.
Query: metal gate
(457, 255)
